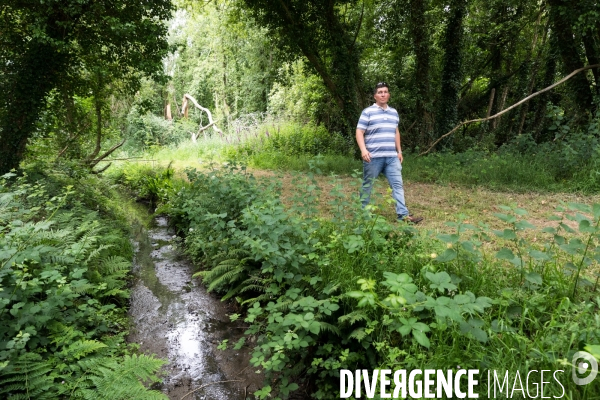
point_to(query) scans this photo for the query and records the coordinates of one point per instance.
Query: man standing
(378, 137)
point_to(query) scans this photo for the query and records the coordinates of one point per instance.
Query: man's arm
(360, 139)
(398, 146)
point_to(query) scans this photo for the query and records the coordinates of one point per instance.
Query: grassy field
(494, 292)
(436, 202)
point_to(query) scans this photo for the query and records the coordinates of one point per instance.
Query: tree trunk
(568, 50)
(534, 71)
(35, 74)
(549, 73)
(419, 31)
(592, 55)
(451, 76)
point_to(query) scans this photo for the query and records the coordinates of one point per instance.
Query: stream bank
(175, 318)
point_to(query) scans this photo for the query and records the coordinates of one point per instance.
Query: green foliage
(147, 131)
(323, 34)
(77, 47)
(355, 292)
(63, 284)
(292, 139)
(149, 184)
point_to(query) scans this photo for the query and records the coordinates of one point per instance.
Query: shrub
(63, 281)
(355, 292)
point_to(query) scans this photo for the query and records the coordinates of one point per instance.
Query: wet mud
(175, 318)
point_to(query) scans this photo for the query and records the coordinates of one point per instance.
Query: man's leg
(393, 173)
(371, 171)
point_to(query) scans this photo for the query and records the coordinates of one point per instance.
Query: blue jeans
(392, 169)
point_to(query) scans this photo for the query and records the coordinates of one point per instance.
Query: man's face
(382, 95)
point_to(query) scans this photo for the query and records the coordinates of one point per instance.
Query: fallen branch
(125, 159)
(208, 384)
(526, 99)
(92, 163)
(211, 122)
(101, 170)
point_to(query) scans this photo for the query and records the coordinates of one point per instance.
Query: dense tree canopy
(446, 61)
(75, 47)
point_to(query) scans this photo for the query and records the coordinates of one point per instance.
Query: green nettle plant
(63, 284)
(355, 292)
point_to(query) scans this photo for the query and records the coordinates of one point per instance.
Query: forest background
(88, 85)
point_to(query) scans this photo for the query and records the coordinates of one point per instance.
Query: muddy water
(176, 319)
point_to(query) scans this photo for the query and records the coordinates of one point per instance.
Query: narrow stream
(176, 319)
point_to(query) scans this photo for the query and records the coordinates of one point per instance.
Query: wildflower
(433, 255)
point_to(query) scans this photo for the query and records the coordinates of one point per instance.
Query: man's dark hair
(380, 85)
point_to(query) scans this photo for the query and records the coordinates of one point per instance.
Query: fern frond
(80, 349)
(28, 377)
(115, 265)
(330, 328)
(81, 286)
(353, 317)
(228, 277)
(358, 334)
(261, 298)
(256, 288)
(283, 306)
(114, 380)
(97, 251)
(61, 259)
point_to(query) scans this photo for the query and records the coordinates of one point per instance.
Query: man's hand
(366, 156)
(400, 157)
(360, 139)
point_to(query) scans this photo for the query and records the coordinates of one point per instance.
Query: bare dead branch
(211, 122)
(92, 163)
(526, 99)
(101, 170)
(124, 159)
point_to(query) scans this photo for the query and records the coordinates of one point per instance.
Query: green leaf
(522, 225)
(596, 210)
(440, 281)
(404, 330)
(539, 255)
(505, 254)
(448, 255)
(453, 238)
(580, 207)
(594, 350)
(355, 294)
(585, 226)
(566, 227)
(314, 327)
(421, 338)
(506, 218)
(534, 278)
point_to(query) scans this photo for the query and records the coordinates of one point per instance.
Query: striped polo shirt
(380, 130)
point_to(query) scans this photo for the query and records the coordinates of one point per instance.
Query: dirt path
(439, 204)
